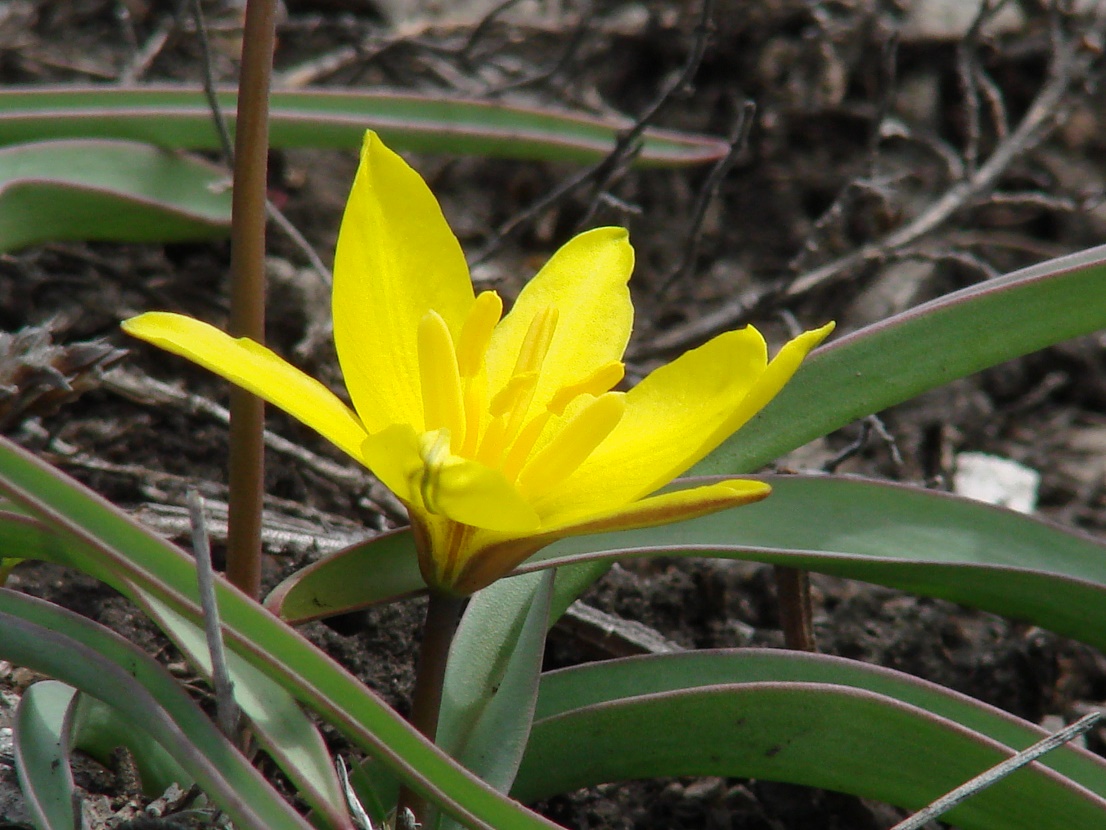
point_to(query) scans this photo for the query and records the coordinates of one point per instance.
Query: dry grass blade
(998, 772)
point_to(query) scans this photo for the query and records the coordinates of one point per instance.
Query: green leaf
(42, 756)
(491, 680)
(816, 734)
(336, 584)
(95, 660)
(921, 541)
(175, 116)
(97, 729)
(100, 540)
(376, 788)
(282, 727)
(597, 683)
(923, 348)
(108, 190)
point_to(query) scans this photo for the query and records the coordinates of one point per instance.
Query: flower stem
(247, 293)
(796, 612)
(443, 612)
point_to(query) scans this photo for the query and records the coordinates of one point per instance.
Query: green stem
(443, 612)
(247, 294)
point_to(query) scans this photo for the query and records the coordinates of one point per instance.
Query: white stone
(995, 480)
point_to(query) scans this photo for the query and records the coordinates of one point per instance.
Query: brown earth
(817, 178)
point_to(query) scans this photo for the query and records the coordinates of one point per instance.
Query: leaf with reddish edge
(87, 656)
(920, 349)
(575, 688)
(97, 538)
(922, 541)
(283, 729)
(41, 754)
(179, 116)
(813, 733)
(108, 190)
(489, 692)
(382, 569)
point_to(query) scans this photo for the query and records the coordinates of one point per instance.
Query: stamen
(493, 442)
(475, 396)
(535, 345)
(601, 380)
(570, 447)
(524, 444)
(442, 401)
(508, 398)
(476, 333)
(531, 356)
(511, 404)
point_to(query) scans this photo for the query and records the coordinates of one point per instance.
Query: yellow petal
(491, 561)
(256, 369)
(393, 456)
(679, 414)
(586, 282)
(396, 260)
(666, 508)
(421, 471)
(779, 372)
(670, 417)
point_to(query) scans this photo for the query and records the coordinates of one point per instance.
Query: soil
(863, 124)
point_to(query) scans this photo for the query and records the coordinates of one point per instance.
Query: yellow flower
(499, 435)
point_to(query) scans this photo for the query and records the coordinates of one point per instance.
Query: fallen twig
(998, 772)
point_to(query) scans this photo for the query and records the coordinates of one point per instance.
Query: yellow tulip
(499, 435)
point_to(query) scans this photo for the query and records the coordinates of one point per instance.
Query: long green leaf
(107, 190)
(282, 727)
(336, 584)
(104, 542)
(817, 734)
(98, 729)
(178, 116)
(89, 657)
(491, 682)
(923, 348)
(921, 541)
(595, 683)
(42, 756)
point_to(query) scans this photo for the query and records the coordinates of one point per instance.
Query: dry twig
(1072, 66)
(605, 172)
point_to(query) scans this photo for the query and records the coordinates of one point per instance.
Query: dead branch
(602, 174)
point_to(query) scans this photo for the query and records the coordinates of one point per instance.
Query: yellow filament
(598, 382)
(523, 445)
(493, 442)
(476, 333)
(507, 399)
(531, 356)
(442, 400)
(474, 399)
(561, 457)
(535, 345)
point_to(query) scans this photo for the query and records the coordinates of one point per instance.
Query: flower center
(534, 447)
